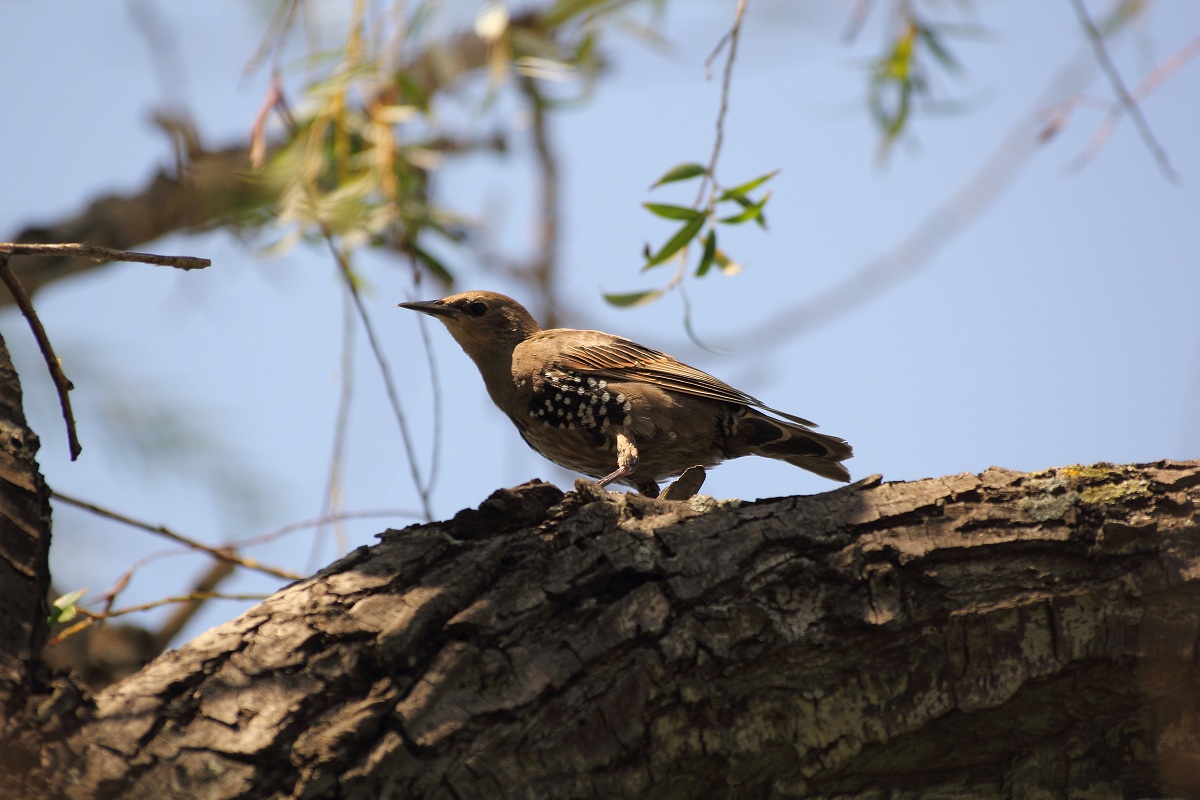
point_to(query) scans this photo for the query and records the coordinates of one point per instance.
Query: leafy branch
(732, 206)
(704, 208)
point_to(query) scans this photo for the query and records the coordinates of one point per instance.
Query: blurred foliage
(903, 76)
(353, 154)
(354, 158)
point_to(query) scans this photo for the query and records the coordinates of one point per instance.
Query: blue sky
(1059, 326)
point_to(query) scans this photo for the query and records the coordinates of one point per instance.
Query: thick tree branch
(999, 635)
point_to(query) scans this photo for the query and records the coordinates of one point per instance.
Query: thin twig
(85, 250)
(111, 594)
(1123, 95)
(222, 553)
(90, 617)
(858, 17)
(435, 384)
(61, 384)
(325, 520)
(161, 40)
(708, 184)
(180, 599)
(732, 38)
(331, 505)
(388, 383)
(163, 601)
(207, 585)
(545, 263)
(273, 40)
(1147, 87)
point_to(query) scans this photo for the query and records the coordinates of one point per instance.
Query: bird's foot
(627, 461)
(685, 486)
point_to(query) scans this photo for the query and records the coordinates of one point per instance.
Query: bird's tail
(758, 434)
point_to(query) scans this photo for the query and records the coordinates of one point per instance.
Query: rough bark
(1005, 635)
(24, 536)
(24, 581)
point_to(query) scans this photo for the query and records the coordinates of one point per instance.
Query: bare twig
(273, 40)
(91, 617)
(858, 17)
(162, 43)
(435, 384)
(1123, 95)
(325, 520)
(202, 591)
(222, 553)
(85, 250)
(61, 384)
(544, 267)
(732, 36)
(708, 184)
(1148, 85)
(183, 598)
(388, 382)
(333, 486)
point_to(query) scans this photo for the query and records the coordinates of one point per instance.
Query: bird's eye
(476, 308)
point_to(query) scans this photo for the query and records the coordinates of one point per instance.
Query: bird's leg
(627, 460)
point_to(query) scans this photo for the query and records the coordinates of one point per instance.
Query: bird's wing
(622, 360)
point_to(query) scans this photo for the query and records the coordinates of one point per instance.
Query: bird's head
(485, 324)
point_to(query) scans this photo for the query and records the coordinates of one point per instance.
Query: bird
(609, 408)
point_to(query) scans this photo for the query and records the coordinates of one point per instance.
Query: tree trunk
(24, 582)
(1004, 635)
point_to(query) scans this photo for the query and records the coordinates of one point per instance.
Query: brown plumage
(615, 410)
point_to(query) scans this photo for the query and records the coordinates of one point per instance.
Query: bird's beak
(434, 308)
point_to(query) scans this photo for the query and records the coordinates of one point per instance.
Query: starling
(612, 409)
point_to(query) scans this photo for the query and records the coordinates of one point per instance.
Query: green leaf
(681, 172)
(710, 253)
(63, 609)
(677, 242)
(749, 186)
(672, 212)
(726, 264)
(933, 41)
(761, 219)
(633, 298)
(752, 211)
(436, 268)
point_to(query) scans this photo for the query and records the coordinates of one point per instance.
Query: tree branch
(102, 254)
(220, 553)
(62, 384)
(974, 635)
